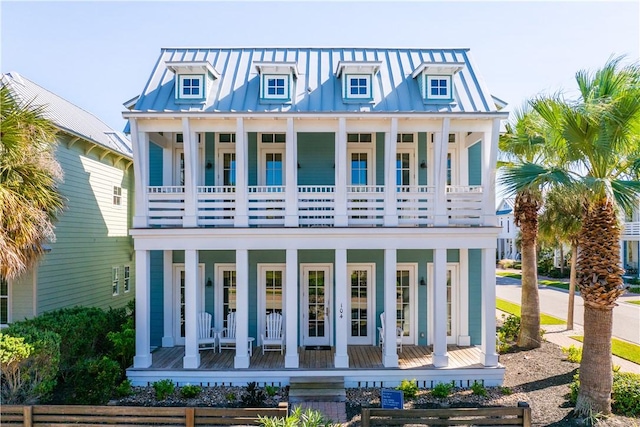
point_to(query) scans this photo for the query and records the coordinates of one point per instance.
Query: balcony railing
(316, 205)
(631, 229)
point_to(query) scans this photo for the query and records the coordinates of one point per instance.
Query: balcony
(318, 206)
(631, 231)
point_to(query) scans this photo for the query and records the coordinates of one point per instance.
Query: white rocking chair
(206, 337)
(228, 334)
(274, 336)
(399, 334)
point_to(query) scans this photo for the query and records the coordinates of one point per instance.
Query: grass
(555, 284)
(635, 302)
(512, 308)
(509, 274)
(623, 349)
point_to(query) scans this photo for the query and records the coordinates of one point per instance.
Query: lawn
(635, 302)
(555, 284)
(509, 274)
(620, 348)
(512, 308)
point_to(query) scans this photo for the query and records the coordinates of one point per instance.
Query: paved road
(553, 301)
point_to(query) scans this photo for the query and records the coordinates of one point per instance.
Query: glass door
(317, 309)
(361, 305)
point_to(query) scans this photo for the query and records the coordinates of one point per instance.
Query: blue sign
(392, 399)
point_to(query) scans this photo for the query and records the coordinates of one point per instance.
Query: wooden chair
(206, 337)
(274, 337)
(399, 334)
(228, 334)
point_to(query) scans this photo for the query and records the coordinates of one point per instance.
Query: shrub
(231, 397)
(506, 391)
(124, 389)
(163, 388)
(297, 418)
(478, 389)
(93, 381)
(508, 333)
(626, 393)
(190, 391)
(124, 344)
(253, 396)
(574, 354)
(271, 390)
(409, 388)
(442, 390)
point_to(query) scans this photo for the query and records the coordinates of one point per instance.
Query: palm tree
(29, 200)
(596, 136)
(523, 144)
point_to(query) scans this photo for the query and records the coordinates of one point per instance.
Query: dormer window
(435, 80)
(191, 87)
(357, 80)
(277, 87)
(193, 80)
(276, 81)
(439, 87)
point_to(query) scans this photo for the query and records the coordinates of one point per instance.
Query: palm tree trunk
(572, 286)
(561, 259)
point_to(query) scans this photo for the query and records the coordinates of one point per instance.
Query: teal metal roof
(317, 84)
(67, 116)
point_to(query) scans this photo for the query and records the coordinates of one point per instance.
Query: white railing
(216, 205)
(464, 204)
(316, 205)
(631, 229)
(266, 205)
(416, 205)
(166, 205)
(365, 204)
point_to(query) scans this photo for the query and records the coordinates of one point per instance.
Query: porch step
(317, 389)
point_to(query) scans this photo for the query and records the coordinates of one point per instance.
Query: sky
(98, 55)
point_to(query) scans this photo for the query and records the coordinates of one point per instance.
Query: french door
(361, 304)
(317, 310)
(453, 302)
(179, 299)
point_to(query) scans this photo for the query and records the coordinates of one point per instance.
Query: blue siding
(252, 140)
(316, 157)
(475, 164)
(379, 178)
(422, 156)
(155, 164)
(156, 278)
(256, 257)
(209, 158)
(475, 296)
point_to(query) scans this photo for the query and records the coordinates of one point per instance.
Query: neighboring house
(91, 261)
(630, 242)
(327, 184)
(509, 231)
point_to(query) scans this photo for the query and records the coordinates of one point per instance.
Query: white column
(440, 356)
(190, 218)
(463, 278)
(140, 146)
(168, 302)
(291, 358)
(342, 317)
(390, 179)
(242, 175)
(341, 174)
(489, 355)
(242, 309)
(142, 358)
(390, 356)
(489, 160)
(440, 173)
(291, 177)
(191, 358)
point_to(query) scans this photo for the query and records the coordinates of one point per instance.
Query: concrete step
(317, 383)
(317, 389)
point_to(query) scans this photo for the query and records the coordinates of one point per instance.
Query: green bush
(297, 418)
(163, 388)
(29, 360)
(442, 390)
(574, 354)
(253, 396)
(409, 388)
(190, 391)
(93, 381)
(124, 344)
(478, 389)
(508, 333)
(506, 391)
(626, 393)
(271, 390)
(124, 389)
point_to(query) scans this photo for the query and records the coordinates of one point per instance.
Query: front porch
(365, 369)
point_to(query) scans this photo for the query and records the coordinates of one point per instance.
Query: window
(117, 195)
(227, 138)
(359, 169)
(273, 168)
(276, 87)
(191, 87)
(274, 138)
(4, 301)
(358, 86)
(273, 291)
(127, 278)
(365, 138)
(115, 281)
(403, 168)
(438, 87)
(405, 138)
(228, 168)
(180, 138)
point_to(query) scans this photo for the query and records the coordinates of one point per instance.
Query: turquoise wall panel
(316, 157)
(252, 142)
(379, 178)
(155, 164)
(156, 279)
(475, 164)
(422, 156)
(475, 296)
(255, 258)
(209, 158)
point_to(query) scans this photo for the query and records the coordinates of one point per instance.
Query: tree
(523, 143)
(29, 173)
(596, 136)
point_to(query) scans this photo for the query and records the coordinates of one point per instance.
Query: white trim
(220, 269)
(219, 163)
(178, 339)
(199, 77)
(262, 294)
(449, 87)
(176, 165)
(372, 321)
(304, 302)
(286, 95)
(348, 86)
(454, 267)
(412, 338)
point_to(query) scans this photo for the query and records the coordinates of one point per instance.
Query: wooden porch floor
(360, 357)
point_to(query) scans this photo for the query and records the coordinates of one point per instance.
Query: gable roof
(317, 89)
(506, 206)
(67, 116)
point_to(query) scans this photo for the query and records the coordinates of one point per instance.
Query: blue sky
(100, 54)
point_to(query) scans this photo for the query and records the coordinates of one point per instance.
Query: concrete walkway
(334, 411)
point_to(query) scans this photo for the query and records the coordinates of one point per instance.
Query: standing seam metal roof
(317, 89)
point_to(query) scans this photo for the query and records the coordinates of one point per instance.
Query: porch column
(489, 355)
(191, 358)
(190, 218)
(342, 317)
(142, 358)
(167, 299)
(242, 309)
(440, 173)
(291, 358)
(463, 276)
(390, 179)
(390, 356)
(291, 177)
(440, 356)
(341, 172)
(242, 175)
(489, 160)
(140, 146)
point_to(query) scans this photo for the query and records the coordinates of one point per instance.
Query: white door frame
(371, 304)
(454, 267)
(262, 294)
(177, 269)
(304, 303)
(220, 268)
(412, 338)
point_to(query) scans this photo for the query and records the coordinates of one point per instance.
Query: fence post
(366, 414)
(27, 416)
(189, 417)
(526, 413)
